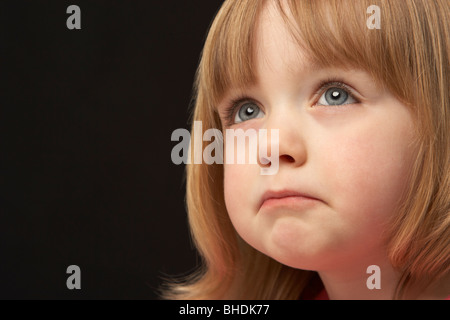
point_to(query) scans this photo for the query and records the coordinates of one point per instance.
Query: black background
(86, 119)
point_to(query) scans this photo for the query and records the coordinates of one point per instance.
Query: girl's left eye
(336, 96)
(248, 111)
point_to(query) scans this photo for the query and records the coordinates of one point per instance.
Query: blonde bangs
(334, 33)
(228, 55)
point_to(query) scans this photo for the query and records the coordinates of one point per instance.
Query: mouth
(287, 198)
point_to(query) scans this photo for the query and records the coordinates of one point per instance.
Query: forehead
(276, 48)
(280, 59)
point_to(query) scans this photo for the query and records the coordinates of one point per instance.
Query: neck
(351, 283)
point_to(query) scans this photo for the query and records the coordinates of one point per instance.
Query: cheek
(232, 184)
(240, 187)
(237, 186)
(370, 170)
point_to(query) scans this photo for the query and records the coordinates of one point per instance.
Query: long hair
(409, 55)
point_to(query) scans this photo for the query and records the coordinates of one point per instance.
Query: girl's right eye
(248, 111)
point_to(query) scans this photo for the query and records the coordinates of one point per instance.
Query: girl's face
(342, 140)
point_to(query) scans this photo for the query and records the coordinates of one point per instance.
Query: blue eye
(248, 111)
(336, 96)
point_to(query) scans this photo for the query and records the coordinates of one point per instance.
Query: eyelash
(234, 104)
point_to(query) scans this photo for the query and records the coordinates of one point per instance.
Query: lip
(283, 197)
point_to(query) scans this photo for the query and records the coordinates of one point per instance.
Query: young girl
(360, 205)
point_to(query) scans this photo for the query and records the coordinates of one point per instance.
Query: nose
(289, 147)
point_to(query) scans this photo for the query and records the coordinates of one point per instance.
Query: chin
(299, 247)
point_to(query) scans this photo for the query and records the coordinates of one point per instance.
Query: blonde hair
(409, 55)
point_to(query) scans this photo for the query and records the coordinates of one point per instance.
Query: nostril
(264, 162)
(287, 158)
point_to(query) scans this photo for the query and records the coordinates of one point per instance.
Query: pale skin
(353, 157)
